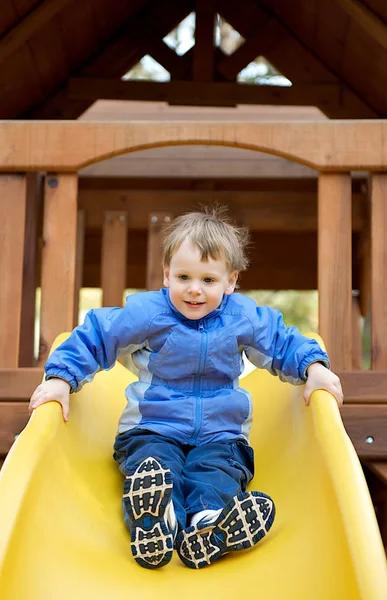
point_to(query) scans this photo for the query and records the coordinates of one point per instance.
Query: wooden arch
(339, 146)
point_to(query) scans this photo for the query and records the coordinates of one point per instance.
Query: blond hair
(213, 233)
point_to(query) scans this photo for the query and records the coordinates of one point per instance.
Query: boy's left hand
(321, 378)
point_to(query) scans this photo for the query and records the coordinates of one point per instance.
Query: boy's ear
(166, 277)
(232, 281)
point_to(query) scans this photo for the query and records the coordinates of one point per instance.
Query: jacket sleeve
(95, 344)
(282, 350)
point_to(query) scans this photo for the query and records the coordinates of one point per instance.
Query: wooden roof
(58, 56)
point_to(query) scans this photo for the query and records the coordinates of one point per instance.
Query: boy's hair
(213, 233)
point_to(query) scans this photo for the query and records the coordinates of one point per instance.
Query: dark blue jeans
(204, 477)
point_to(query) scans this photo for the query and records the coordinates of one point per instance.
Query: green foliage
(298, 308)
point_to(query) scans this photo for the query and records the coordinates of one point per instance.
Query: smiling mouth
(193, 303)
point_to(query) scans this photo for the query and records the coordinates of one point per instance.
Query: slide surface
(62, 535)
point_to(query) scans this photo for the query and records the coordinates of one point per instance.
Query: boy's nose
(194, 288)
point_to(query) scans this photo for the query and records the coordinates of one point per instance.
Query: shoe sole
(243, 522)
(147, 492)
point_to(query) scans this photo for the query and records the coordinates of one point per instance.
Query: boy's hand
(52, 390)
(321, 378)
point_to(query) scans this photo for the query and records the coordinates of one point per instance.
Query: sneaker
(242, 523)
(152, 523)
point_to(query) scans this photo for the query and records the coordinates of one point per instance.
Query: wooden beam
(172, 62)
(378, 192)
(12, 228)
(366, 425)
(114, 257)
(204, 50)
(367, 19)
(156, 224)
(204, 93)
(135, 40)
(303, 66)
(18, 384)
(32, 22)
(275, 210)
(68, 146)
(364, 386)
(58, 259)
(335, 267)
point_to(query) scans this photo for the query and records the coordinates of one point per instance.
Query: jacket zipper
(198, 377)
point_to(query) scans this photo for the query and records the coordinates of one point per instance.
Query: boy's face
(196, 286)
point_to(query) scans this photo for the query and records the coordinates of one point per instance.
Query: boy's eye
(208, 280)
(183, 277)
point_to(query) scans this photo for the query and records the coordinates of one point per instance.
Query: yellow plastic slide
(62, 535)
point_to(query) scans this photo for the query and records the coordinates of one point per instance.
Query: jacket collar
(210, 315)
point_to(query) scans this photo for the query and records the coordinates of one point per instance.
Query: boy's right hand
(52, 390)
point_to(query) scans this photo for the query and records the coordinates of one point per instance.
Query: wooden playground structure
(61, 232)
(60, 149)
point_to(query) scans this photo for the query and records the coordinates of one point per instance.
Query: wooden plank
(378, 193)
(261, 210)
(81, 218)
(18, 384)
(204, 93)
(200, 162)
(366, 426)
(364, 386)
(12, 219)
(218, 184)
(33, 215)
(204, 50)
(67, 147)
(335, 267)
(154, 273)
(114, 252)
(367, 19)
(33, 21)
(13, 419)
(58, 258)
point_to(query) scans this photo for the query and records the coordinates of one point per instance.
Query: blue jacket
(187, 370)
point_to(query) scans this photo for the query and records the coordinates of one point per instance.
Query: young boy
(182, 439)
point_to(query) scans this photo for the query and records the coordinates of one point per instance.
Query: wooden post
(79, 262)
(204, 49)
(12, 227)
(58, 258)
(154, 273)
(114, 257)
(378, 193)
(335, 267)
(33, 216)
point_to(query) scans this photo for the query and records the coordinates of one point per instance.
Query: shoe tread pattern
(147, 492)
(243, 522)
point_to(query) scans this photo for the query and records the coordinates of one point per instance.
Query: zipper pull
(201, 326)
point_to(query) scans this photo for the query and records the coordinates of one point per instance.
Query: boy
(182, 439)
